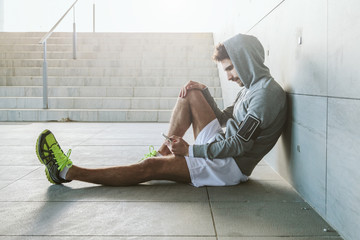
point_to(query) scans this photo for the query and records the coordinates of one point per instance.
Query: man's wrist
(190, 151)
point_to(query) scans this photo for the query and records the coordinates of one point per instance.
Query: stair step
(85, 115)
(162, 103)
(183, 35)
(126, 40)
(108, 81)
(114, 55)
(124, 63)
(124, 49)
(110, 71)
(96, 91)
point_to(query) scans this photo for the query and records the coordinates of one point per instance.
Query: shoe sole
(37, 149)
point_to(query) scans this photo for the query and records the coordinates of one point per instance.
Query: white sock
(63, 173)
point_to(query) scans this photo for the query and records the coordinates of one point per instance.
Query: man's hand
(178, 146)
(191, 85)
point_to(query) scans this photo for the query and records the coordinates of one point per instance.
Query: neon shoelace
(152, 152)
(61, 159)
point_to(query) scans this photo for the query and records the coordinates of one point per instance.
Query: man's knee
(193, 94)
(151, 167)
(191, 97)
(169, 168)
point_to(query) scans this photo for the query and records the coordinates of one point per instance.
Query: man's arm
(264, 107)
(221, 115)
(229, 147)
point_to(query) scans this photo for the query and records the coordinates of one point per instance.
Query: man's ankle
(66, 173)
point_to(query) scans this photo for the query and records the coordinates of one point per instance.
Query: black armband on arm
(249, 128)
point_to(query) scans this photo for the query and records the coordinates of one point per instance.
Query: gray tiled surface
(266, 207)
(343, 190)
(343, 48)
(266, 219)
(281, 238)
(300, 155)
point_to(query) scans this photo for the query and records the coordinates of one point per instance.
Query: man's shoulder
(268, 95)
(268, 87)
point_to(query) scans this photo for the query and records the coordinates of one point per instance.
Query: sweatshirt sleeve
(264, 106)
(231, 146)
(221, 115)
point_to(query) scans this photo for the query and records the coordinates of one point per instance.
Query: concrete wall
(2, 15)
(312, 50)
(238, 17)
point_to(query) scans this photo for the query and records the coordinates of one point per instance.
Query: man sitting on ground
(253, 125)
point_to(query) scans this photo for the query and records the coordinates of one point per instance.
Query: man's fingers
(174, 137)
(187, 87)
(181, 94)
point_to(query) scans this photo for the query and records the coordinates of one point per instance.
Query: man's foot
(50, 154)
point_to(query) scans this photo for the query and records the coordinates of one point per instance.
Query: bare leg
(193, 109)
(170, 167)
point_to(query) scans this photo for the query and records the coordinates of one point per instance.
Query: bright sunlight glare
(117, 15)
(156, 15)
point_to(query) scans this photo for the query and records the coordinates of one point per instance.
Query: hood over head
(247, 55)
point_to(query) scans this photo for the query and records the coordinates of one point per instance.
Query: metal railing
(43, 41)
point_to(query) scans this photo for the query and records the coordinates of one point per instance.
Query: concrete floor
(31, 208)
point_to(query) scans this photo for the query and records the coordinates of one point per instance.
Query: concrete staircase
(116, 76)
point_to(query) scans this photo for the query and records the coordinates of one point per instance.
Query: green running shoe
(50, 154)
(152, 153)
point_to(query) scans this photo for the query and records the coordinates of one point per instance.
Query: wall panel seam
(265, 16)
(329, 97)
(327, 105)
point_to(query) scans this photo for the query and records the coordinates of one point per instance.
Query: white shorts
(216, 172)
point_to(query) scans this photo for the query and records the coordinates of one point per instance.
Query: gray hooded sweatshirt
(261, 97)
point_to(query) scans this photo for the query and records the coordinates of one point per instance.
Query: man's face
(231, 72)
